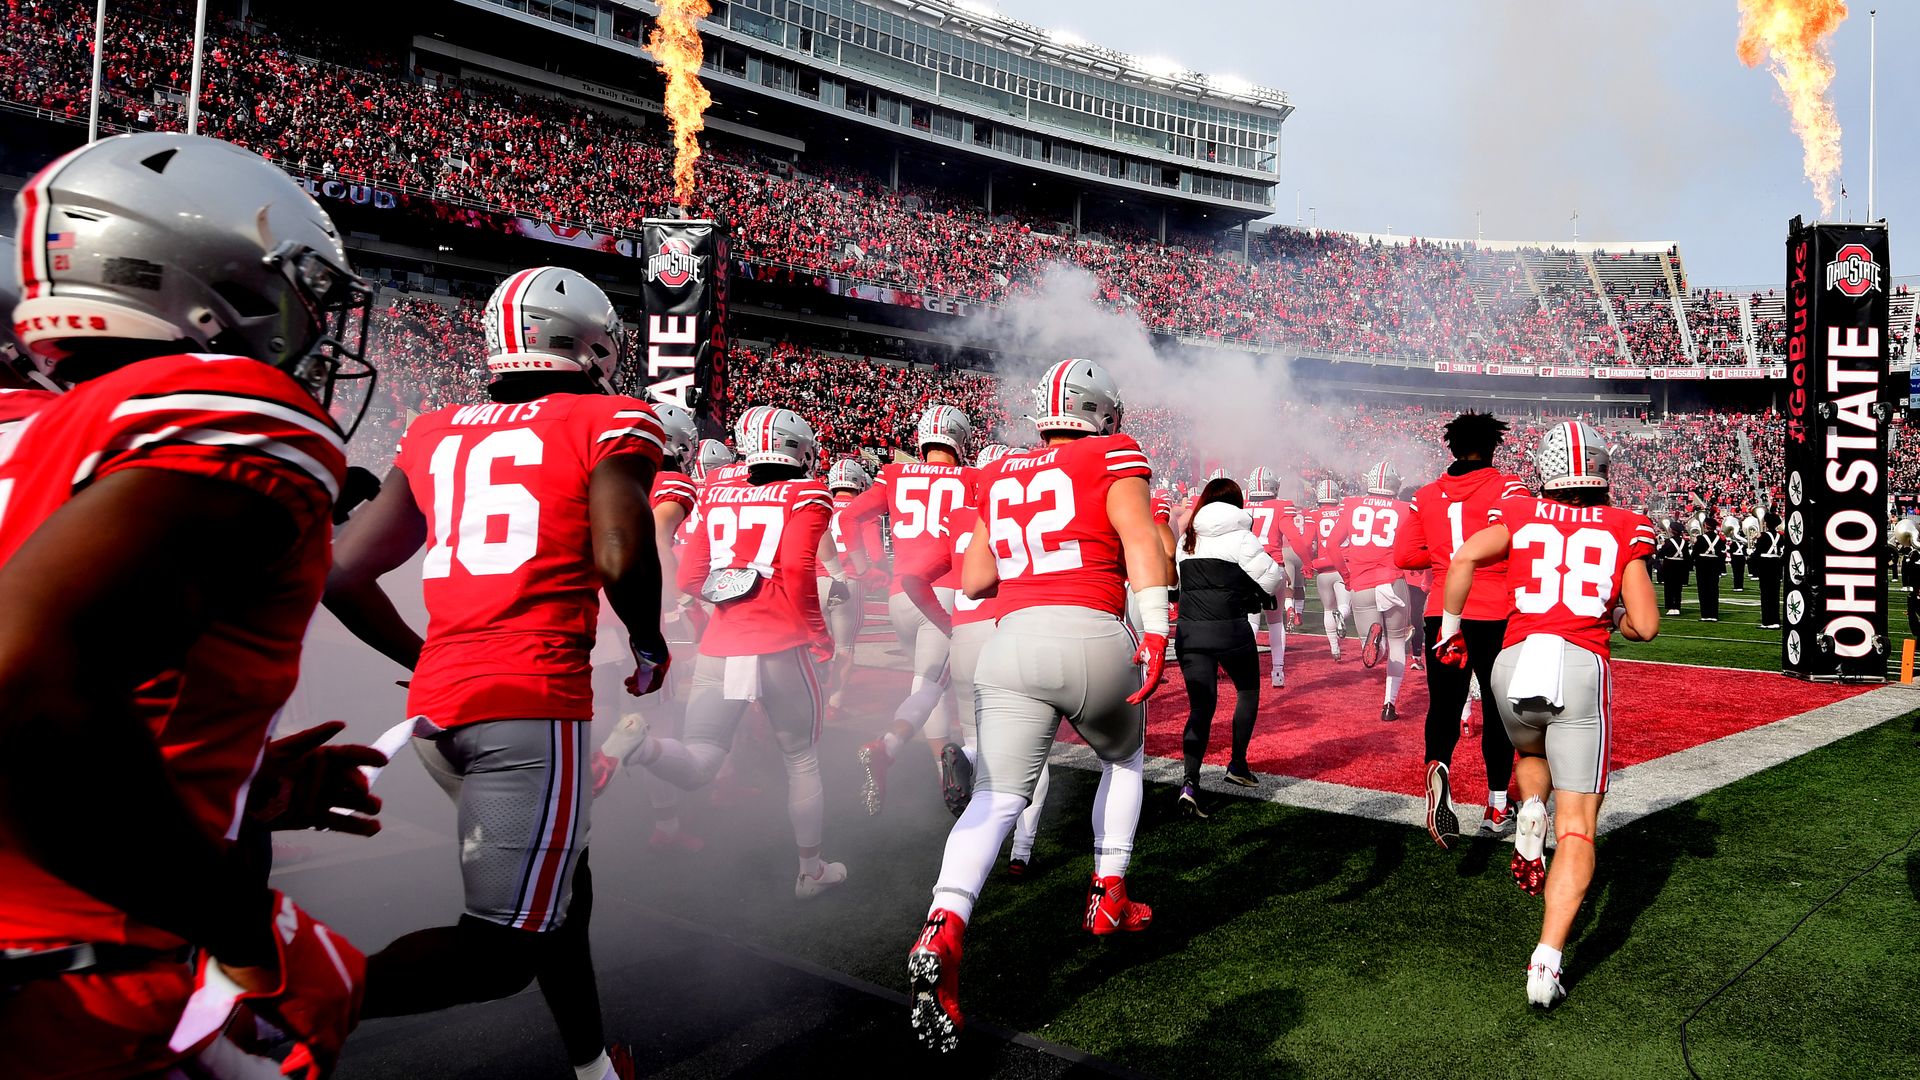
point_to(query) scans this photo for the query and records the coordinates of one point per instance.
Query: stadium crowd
(361, 116)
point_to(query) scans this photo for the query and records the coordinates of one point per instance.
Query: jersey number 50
(1019, 528)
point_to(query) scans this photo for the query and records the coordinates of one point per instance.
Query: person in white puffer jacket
(1225, 575)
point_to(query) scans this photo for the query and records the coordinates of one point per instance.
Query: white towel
(741, 680)
(1538, 671)
(1386, 597)
(395, 737)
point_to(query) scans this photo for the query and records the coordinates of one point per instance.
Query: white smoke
(1233, 409)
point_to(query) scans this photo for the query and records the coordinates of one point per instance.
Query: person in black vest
(1225, 575)
(1673, 564)
(1709, 562)
(1737, 558)
(1768, 554)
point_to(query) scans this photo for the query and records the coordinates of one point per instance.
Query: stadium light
(1230, 84)
(975, 7)
(1067, 38)
(1158, 65)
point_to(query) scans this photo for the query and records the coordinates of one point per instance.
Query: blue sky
(1412, 116)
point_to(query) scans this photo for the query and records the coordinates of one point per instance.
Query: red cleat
(873, 772)
(933, 965)
(679, 840)
(1110, 912)
(604, 770)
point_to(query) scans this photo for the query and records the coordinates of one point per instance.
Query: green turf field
(1290, 942)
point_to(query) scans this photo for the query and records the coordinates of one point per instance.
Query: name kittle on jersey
(1568, 514)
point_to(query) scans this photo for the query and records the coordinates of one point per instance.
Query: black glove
(303, 784)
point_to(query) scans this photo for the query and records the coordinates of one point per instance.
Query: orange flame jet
(1791, 35)
(675, 45)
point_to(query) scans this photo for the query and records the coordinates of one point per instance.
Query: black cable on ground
(1687, 1058)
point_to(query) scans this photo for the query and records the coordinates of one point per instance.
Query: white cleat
(1279, 679)
(831, 874)
(1543, 986)
(1530, 847)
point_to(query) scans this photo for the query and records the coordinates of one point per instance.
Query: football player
(1362, 543)
(1335, 602)
(1063, 531)
(846, 606)
(672, 499)
(1576, 570)
(21, 394)
(1445, 515)
(1279, 527)
(917, 497)
(529, 505)
(164, 533)
(755, 560)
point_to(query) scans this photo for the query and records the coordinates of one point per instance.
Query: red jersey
(723, 476)
(918, 498)
(1320, 524)
(1046, 513)
(224, 418)
(1163, 507)
(18, 403)
(943, 571)
(1565, 568)
(775, 529)
(1278, 525)
(1363, 538)
(1445, 515)
(867, 536)
(511, 590)
(673, 489)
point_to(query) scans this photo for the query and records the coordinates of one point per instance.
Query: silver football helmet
(991, 453)
(848, 475)
(1079, 396)
(710, 455)
(1218, 474)
(681, 434)
(944, 425)
(1262, 483)
(183, 239)
(1572, 455)
(780, 437)
(549, 318)
(1383, 479)
(1326, 493)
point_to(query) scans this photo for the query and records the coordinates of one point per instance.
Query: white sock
(1332, 623)
(811, 866)
(1393, 689)
(1116, 814)
(1497, 800)
(973, 757)
(1550, 957)
(972, 848)
(600, 1068)
(891, 743)
(668, 825)
(1028, 826)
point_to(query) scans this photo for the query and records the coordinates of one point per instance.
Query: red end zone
(1325, 725)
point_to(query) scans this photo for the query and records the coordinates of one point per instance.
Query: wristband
(1152, 603)
(1449, 625)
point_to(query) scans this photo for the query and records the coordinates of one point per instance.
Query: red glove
(875, 580)
(1153, 654)
(1452, 652)
(303, 784)
(315, 1001)
(1173, 611)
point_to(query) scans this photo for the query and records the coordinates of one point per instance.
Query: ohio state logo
(676, 264)
(1853, 271)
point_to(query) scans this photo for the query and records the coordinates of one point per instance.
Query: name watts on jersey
(497, 414)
